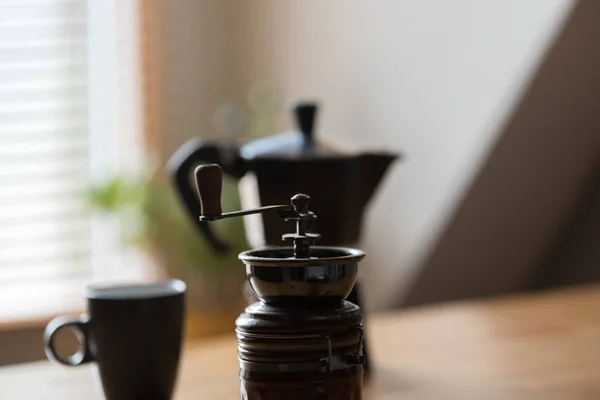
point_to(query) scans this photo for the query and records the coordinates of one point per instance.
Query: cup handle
(80, 326)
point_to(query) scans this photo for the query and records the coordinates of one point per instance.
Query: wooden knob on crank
(209, 182)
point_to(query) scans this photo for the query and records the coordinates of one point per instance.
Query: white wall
(195, 68)
(431, 79)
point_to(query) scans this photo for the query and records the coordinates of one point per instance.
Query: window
(44, 141)
(68, 111)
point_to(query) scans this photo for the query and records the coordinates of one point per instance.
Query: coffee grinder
(302, 339)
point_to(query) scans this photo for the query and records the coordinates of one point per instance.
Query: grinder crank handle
(209, 183)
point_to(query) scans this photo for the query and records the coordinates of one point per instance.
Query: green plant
(152, 217)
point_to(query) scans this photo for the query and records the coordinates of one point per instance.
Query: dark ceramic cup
(133, 333)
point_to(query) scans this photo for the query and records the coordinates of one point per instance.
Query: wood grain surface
(542, 346)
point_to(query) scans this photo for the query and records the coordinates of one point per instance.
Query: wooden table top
(543, 346)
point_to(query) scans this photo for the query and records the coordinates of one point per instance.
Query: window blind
(45, 226)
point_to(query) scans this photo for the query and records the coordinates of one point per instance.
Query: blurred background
(493, 105)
